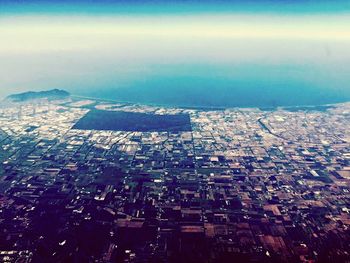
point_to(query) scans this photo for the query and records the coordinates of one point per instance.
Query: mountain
(54, 94)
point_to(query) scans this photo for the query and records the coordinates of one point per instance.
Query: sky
(98, 47)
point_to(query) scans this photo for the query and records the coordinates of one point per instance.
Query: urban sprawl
(245, 185)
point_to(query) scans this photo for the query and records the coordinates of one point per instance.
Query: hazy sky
(113, 45)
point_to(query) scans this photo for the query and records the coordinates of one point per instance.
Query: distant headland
(53, 94)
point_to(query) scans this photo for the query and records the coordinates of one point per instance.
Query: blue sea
(224, 86)
(209, 86)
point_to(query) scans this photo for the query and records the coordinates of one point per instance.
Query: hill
(32, 95)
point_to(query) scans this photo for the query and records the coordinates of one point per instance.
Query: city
(242, 185)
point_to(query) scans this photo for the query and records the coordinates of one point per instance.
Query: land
(54, 94)
(241, 185)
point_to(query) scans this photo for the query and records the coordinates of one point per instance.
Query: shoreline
(215, 108)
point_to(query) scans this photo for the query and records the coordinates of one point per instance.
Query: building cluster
(245, 184)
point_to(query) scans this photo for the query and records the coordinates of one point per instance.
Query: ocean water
(225, 86)
(201, 85)
(208, 86)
